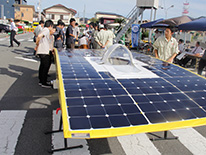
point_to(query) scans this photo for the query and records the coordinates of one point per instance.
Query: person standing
(166, 47)
(14, 30)
(111, 37)
(69, 34)
(38, 29)
(43, 43)
(59, 31)
(76, 31)
(102, 37)
(96, 31)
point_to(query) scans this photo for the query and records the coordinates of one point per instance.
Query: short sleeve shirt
(166, 49)
(69, 38)
(44, 43)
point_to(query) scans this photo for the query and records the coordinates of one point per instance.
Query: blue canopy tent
(149, 24)
(195, 25)
(172, 22)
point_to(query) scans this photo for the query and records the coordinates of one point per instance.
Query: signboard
(135, 34)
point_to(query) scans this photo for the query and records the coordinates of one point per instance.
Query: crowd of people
(47, 37)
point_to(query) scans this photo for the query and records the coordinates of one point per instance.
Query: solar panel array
(96, 100)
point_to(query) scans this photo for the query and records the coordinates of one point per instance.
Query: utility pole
(2, 11)
(84, 13)
(39, 10)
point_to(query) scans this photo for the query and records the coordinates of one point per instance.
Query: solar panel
(95, 104)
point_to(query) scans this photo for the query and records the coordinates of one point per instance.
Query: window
(22, 14)
(66, 17)
(61, 17)
(17, 8)
(52, 16)
(48, 16)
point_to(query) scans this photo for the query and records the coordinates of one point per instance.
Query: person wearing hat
(14, 30)
(102, 37)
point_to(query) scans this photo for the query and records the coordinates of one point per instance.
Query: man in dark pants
(69, 34)
(14, 30)
(202, 64)
(43, 50)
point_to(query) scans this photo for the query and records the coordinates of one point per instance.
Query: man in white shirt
(14, 30)
(111, 37)
(43, 42)
(166, 47)
(102, 37)
(38, 29)
(197, 51)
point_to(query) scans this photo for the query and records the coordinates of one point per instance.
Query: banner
(135, 34)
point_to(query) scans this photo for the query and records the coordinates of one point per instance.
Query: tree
(120, 21)
(94, 20)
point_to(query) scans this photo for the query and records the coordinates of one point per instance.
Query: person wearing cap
(102, 37)
(14, 30)
(166, 47)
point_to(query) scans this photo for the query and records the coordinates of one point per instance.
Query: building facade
(59, 11)
(7, 9)
(24, 12)
(107, 18)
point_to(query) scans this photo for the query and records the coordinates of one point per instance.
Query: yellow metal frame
(113, 132)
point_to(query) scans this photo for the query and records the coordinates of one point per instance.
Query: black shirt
(69, 38)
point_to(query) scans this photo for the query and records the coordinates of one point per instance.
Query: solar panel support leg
(162, 138)
(65, 140)
(66, 147)
(55, 131)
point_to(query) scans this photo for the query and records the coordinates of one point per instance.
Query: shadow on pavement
(26, 94)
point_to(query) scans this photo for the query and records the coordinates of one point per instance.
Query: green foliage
(94, 20)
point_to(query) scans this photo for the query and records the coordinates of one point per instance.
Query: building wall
(25, 13)
(57, 13)
(8, 9)
(106, 16)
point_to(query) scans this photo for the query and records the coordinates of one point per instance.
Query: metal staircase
(130, 19)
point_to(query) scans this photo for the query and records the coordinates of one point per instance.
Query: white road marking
(11, 123)
(2, 39)
(58, 141)
(138, 144)
(192, 140)
(20, 40)
(26, 59)
(31, 40)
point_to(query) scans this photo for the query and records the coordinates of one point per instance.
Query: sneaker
(46, 86)
(19, 44)
(40, 83)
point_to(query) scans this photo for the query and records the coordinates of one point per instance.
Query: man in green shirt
(166, 47)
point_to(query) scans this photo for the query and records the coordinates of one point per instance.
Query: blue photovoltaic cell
(79, 123)
(155, 117)
(119, 121)
(137, 119)
(96, 111)
(97, 100)
(100, 122)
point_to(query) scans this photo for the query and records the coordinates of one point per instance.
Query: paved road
(27, 111)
